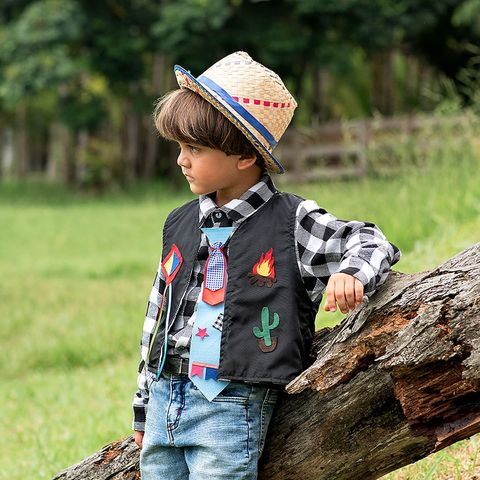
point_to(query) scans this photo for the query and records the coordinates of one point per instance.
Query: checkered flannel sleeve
(327, 245)
(145, 378)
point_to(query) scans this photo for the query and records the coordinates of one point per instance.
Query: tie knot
(216, 245)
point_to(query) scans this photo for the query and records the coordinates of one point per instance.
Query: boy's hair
(184, 116)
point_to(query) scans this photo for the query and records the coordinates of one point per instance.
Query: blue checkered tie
(205, 344)
(215, 267)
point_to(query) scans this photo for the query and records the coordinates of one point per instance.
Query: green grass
(76, 271)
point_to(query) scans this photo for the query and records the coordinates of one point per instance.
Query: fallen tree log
(395, 381)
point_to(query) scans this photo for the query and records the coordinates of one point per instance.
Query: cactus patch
(266, 342)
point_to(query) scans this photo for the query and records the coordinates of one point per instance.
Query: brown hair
(184, 116)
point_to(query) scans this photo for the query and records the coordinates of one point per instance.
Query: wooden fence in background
(355, 148)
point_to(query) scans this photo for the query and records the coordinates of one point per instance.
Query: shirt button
(219, 215)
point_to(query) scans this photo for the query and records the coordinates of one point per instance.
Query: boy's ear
(246, 161)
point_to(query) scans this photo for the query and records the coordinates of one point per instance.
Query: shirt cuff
(138, 426)
(354, 272)
(139, 417)
(358, 268)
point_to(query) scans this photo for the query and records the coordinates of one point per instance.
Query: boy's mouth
(188, 177)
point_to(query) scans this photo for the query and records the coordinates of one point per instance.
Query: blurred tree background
(78, 79)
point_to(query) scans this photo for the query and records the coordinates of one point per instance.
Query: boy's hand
(345, 290)
(138, 438)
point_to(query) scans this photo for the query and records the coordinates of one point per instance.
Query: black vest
(269, 319)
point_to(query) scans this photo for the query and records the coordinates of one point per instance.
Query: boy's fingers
(345, 290)
(350, 292)
(330, 296)
(358, 291)
(139, 438)
(340, 294)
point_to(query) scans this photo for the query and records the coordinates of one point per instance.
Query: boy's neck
(222, 197)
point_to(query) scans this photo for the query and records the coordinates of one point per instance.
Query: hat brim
(272, 164)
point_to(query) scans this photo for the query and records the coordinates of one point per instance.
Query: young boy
(230, 319)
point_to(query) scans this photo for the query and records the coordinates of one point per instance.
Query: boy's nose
(182, 160)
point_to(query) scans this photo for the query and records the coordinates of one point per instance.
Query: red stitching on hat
(265, 103)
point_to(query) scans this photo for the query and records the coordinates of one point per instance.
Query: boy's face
(209, 170)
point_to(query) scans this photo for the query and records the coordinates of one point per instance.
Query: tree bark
(151, 140)
(59, 148)
(81, 154)
(319, 104)
(382, 83)
(7, 152)
(398, 379)
(131, 135)
(21, 142)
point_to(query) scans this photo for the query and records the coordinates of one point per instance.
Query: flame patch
(263, 272)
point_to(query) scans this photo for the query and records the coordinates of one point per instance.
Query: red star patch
(202, 333)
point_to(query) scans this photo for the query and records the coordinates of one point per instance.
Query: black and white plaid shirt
(324, 245)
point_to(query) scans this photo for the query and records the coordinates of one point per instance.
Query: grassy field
(75, 276)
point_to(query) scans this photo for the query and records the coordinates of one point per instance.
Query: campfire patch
(263, 272)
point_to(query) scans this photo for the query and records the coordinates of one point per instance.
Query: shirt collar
(241, 208)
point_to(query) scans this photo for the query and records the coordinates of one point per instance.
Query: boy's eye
(188, 146)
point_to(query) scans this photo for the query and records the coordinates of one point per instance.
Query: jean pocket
(236, 392)
(272, 395)
(268, 407)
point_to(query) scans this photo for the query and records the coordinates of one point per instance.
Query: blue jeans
(188, 437)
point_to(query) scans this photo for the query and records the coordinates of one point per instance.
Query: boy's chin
(197, 190)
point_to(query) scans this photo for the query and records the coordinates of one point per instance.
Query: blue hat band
(244, 113)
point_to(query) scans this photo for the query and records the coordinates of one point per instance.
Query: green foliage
(94, 66)
(372, 24)
(119, 41)
(102, 168)
(467, 14)
(185, 25)
(36, 50)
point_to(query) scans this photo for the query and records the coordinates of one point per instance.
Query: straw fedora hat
(250, 95)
